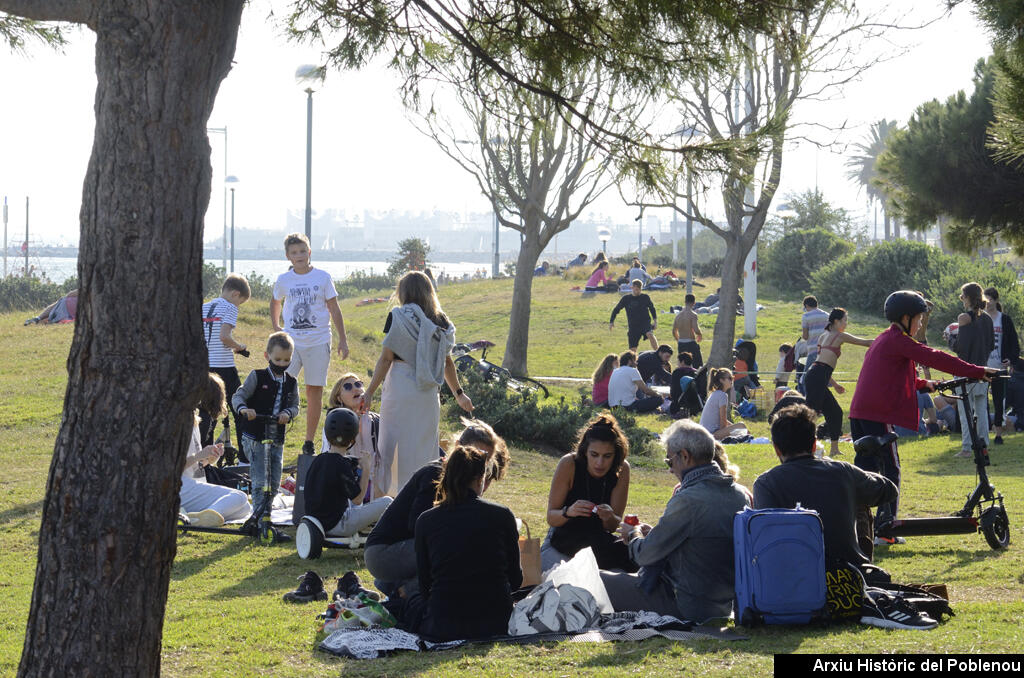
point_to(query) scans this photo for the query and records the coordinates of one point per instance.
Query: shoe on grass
(998, 440)
(889, 612)
(310, 588)
(32, 321)
(205, 518)
(349, 586)
(889, 541)
(964, 454)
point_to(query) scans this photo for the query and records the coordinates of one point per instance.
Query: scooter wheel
(996, 527)
(309, 541)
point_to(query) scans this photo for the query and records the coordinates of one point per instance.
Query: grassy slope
(225, 616)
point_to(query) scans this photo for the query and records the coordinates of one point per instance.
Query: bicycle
(465, 362)
(991, 521)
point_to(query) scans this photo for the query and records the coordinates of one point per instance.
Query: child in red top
(887, 394)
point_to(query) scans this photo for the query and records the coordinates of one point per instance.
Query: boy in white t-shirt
(220, 317)
(310, 303)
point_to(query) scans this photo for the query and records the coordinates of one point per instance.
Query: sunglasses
(670, 458)
(349, 385)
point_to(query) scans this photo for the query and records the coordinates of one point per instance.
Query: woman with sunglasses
(348, 392)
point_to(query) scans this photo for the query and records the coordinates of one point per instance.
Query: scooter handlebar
(951, 384)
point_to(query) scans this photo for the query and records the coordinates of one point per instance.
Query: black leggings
(820, 398)
(998, 400)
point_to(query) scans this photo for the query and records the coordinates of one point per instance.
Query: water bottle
(819, 450)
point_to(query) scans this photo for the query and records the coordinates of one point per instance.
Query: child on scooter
(267, 391)
(886, 395)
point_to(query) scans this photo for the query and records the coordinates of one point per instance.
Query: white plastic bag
(582, 571)
(570, 600)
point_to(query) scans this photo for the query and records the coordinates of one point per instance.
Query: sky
(366, 153)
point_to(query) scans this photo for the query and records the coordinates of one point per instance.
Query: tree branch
(71, 11)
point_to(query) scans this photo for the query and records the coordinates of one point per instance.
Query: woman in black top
(390, 548)
(1006, 354)
(588, 497)
(467, 557)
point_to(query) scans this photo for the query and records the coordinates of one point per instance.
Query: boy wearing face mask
(270, 390)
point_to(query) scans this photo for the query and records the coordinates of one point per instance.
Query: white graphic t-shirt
(305, 306)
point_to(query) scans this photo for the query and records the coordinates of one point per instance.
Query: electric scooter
(991, 517)
(266, 532)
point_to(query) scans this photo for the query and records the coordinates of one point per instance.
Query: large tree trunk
(107, 537)
(518, 341)
(725, 324)
(888, 226)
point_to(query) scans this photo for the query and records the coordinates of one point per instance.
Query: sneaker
(307, 447)
(889, 541)
(310, 588)
(32, 321)
(349, 586)
(205, 518)
(889, 612)
(998, 440)
(964, 454)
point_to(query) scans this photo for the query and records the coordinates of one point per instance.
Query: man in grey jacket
(687, 558)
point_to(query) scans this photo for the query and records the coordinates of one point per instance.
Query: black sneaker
(310, 588)
(889, 612)
(307, 447)
(998, 440)
(32, 321)
(349, 586)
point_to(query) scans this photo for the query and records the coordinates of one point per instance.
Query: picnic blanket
(376, 642)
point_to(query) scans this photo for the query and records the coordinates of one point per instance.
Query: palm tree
(862, 166)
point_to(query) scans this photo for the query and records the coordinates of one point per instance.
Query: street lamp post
(604, 234)
(686, 133)
(232, 182)
(496, 263)
(224, 203)
(308, 77)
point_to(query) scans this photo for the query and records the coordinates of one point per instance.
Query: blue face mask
(277, 369)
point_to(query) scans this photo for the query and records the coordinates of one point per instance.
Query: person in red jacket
(886, 395)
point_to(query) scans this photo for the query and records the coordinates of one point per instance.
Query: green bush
(359, 283)
(31, 294)
(789, 262)
(522, 419)
(261, 286)
(863, 280)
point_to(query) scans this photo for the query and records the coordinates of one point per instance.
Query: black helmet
(341, 426)
(904, 302)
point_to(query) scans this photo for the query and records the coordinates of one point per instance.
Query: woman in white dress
(414, 361)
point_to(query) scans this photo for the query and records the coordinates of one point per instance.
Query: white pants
(197, 496)
(408, 427)
(977, 393)
(359, 516)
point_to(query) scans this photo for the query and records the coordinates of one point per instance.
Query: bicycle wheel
(532, 385)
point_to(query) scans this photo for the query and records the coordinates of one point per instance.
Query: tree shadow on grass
(20, 511)
(281, 571)
(402, 662)
(188, 567)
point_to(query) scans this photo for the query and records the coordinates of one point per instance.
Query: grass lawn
(225, 615)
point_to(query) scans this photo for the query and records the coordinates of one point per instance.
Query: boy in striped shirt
(220, 316)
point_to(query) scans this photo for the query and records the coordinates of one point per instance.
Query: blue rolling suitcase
(780, 567)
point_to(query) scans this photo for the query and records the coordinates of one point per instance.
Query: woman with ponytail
(819, 376)
(467, 555)
(715, 415)
(975, 341)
